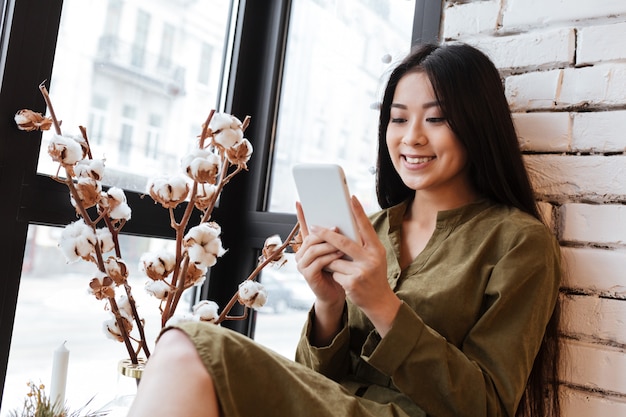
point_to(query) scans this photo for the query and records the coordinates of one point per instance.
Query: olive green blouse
(476, 302)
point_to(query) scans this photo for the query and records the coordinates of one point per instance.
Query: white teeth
(420, 160)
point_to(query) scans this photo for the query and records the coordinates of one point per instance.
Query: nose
(414, 136)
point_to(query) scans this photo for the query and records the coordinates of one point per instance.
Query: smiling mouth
(418, 160)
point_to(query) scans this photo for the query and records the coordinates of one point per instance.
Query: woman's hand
(364, 278)
(312, 257)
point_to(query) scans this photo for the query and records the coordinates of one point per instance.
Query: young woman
(449, 304)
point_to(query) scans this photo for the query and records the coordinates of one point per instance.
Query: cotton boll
(120, 212)
(101, 286)
(158, 289)
(65, 150)
(105, 238)
(180, 318)
(195, 275)
(116, 269)
(204, 195)
(157, 265)
(29, 120)
(118, 208)
(89, 191)
(124, 307)
(203, 244)
(252, 294)
(228, 138)
(90, 168)
(112, 330)
(240, 153)
(201, 165)
(168, 191)
(206, 311)
(270, 246)
(221, 121)
(77, 241)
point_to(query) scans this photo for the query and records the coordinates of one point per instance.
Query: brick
(599, 131)
(600, 85)
(521, 14)
(538, 49)
(543, 132)
(601, 43)
(575, 403)
(594, 177)
(590, 318)
(470, 18)
(595, 270)
(595, 367)
(533, 90)
(602, 224)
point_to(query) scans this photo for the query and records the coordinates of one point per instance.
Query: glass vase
(128, 377)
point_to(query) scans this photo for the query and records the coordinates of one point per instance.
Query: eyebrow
(427, 105)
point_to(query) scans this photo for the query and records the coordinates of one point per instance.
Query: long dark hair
(470, 93)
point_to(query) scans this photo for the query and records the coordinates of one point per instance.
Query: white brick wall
(564, 69)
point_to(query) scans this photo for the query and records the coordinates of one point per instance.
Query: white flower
(77, 241)
(203, 244)
(201, 165)
(118, 207)
(227, 130)
(90, 168)
(168, 191)
(206, 310)
(105, 238)
(158, 289)
(252, 294)
(65, 150)
(157, 265)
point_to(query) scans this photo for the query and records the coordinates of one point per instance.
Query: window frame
(254, 68)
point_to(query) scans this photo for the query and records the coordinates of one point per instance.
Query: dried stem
(224, 315)
(46, 97)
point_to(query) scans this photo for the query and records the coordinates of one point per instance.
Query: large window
(123, 77)
(337, 56)
(141, 76)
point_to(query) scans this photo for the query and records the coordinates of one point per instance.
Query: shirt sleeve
(332, 360)
(487, 374)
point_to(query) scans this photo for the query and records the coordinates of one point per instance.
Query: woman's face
(424, 151)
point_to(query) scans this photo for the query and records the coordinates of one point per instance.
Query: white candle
(59, 375)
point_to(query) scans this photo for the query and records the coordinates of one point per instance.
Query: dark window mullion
(29, 47)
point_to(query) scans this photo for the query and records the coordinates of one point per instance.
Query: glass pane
(289, 299)
(142, 79)
(54, 306)
(337, 55)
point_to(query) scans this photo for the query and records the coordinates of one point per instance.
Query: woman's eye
(436, 119)
(397, 120)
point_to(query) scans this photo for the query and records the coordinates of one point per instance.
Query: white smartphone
(325, 198)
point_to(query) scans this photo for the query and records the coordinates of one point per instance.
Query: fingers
(366, 231)
(304, 231)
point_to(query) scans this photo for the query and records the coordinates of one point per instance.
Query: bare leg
(175, 381)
